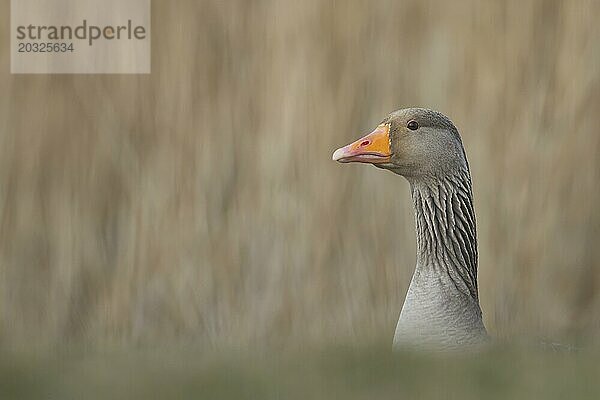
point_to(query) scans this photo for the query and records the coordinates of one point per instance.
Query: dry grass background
(200, 203)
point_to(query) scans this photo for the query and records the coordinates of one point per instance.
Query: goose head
(412, 142)
(441, 309)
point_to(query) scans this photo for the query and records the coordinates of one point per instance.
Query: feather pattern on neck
(446, 233)
(441, 309)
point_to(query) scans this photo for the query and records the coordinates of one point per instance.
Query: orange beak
(372, 149)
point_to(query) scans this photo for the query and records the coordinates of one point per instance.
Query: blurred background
(199, 204)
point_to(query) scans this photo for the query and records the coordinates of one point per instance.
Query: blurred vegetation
(199, 204)
(338, 373)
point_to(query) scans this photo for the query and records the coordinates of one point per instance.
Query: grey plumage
(441, 310)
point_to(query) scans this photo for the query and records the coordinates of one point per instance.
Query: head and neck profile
(441, 310)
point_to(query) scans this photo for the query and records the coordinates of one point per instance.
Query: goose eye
(412, 125)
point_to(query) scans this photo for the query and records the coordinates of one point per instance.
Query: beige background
(200, 203)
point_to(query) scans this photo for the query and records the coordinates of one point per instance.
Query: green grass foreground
(340, 373)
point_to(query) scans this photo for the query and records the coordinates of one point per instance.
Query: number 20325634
(27, 47)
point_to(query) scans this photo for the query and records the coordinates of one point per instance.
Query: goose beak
(371, 149)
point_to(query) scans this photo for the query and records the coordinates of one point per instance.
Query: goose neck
(446, 232)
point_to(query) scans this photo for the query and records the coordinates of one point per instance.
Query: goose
(441, 310)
